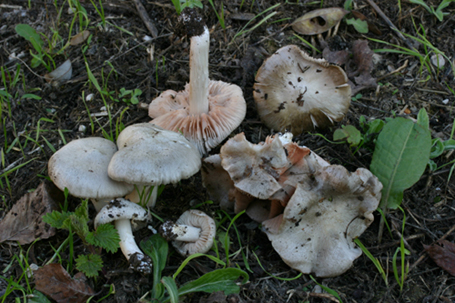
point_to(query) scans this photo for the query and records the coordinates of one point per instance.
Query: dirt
(119, 57)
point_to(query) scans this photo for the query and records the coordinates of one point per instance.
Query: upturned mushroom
(124, 214)
(150, 156)
(192, 233)
(295, 92)
(316, 230)
(206, 112)
(81, 166)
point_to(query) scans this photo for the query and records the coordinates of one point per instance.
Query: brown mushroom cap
(199, 219)
(227, 109)
(295, 92)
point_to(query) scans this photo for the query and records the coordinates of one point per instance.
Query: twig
(395, 71)
(146, 19)
(390, 24)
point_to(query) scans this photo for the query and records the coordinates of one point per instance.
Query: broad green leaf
(360, 26)
(105, 236)
(89, 264)
(422, 119)
(375, 126)
(219, 279)
(171, 287)
(56, 219)
(157, 249)
(349, 133)
(38, 297)
(29, 33)
(400, 157)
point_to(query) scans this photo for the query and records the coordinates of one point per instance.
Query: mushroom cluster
(310, 210)
(145, 157)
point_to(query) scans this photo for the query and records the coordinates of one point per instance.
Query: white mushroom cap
(190, 220)
(119, 209)
(295, 92)
(150, 155)
(81, 166)
(316, 231)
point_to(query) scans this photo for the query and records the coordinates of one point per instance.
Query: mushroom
(295, 92)
(316, 230)
(124, 213)
(206, 112)
(81, 166)
(192, 233)
(150, 156)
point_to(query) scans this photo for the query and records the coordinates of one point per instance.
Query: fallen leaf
(54, 281)
(318, 21)
(60, 74)
(79, 38)
(361, 66)
(23, 223)
(443, 256)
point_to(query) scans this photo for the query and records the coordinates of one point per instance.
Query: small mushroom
(316, 230)
(124, 214)
(81, 166)
(295, 92)
(150, 156)
(192, 233)
(206, 112)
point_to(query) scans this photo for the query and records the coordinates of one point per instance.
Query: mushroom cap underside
(295, 92)
(227, 109)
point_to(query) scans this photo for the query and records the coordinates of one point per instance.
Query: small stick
(145, 18)
(389, 23)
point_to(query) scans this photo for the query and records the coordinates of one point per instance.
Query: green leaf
(30, 96)
(193, 256)
(157, 249)
(348, 133)
(38, 297)
(375, 126)
(105, 236)
(420, 2)
(437, 148)
(29, 33)
(422, 119)
(359, 25)
(79, 226)
(327, 289)
(400, 157)
(56, 219)
(219, 279)
(171, 287)
(89, 264)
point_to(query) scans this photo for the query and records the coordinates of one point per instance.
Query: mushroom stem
(199, 73)
(179, 232)
(99, 203)
(144, 195)
(127, 243)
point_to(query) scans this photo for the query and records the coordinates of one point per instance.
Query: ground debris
(23, 223)
(443, 254)
(54, 281)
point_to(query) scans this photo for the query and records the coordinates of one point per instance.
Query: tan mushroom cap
(295, 92)
(81, 166)
(199, 219)
(150, 155)
(316, 231)
(227, 109)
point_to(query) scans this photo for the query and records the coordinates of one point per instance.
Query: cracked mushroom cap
(295, 92)
(199, 219)
(316, 231)
(81, 166)
(227, 108)
(150, 155)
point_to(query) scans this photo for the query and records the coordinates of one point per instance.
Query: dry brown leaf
(443, 256)
(54, 281)
(318, 21)
(23, 223)
(361, 67)
(79, 38)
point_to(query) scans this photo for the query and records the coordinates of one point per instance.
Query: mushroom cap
(150, 155)
(81, 166)
(120, 209)
(227, 108)
(295, 92)
(196, 218)
(316, 230)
